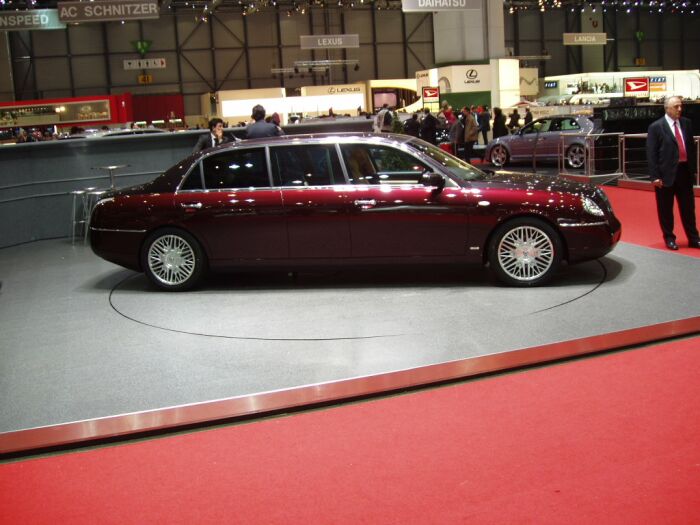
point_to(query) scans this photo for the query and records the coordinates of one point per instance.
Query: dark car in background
(295, 201)
(542, 140)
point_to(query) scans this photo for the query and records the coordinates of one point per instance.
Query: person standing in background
(484, 122)
(412, 126)
(260, 128)
(428, 127)
(214, 137)
(672, 165)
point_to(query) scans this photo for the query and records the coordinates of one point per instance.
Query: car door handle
(195, 205)
(365, 204)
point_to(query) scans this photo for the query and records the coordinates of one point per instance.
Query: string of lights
(204, 8)
(685, 7)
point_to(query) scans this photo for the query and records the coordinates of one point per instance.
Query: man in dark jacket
(412, 126)
(428, 127)
(672, 162)
(484, 120)
(260, 128)
(214, 137)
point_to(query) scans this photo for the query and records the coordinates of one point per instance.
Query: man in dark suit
(672, 165)
(214, 137)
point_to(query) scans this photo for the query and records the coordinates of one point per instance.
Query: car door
(314, 195)
(229, 203)
(525, 144)
(392, 214)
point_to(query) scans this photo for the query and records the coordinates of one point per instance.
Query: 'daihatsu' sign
(637, 87)
(108, 10)
(329, 41)
(412, 6)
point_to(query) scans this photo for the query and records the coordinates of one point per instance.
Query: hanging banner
(329, 41)
(585, 39)
(145, 63)
(29, 20)
(108, 10)
(414, 6)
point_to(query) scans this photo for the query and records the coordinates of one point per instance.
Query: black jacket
(204, 142)
(662, 150)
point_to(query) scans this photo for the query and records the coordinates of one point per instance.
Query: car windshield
(455, 166)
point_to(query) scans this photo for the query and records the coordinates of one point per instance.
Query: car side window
(240, 168)
(193, 180)
(313, 165)
(569, 124)
(373, 164)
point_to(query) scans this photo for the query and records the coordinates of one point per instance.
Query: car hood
(535, 182)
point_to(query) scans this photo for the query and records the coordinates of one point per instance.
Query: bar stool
(83, 203)
(110, 170)
(77, 212)
(92, 197)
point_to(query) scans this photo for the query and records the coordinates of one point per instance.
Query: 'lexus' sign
(637, 87)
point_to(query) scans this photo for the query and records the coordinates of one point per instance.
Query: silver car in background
(541, 139)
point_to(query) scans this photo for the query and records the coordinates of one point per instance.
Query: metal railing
(609, 156)
(602, 157)
(634, 157)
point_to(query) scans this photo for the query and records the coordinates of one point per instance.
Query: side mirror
(433, 180)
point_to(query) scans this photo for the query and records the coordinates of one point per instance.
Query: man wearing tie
(214, 138)
(672, 165)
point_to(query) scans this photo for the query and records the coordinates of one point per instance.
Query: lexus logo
(331, 90)
(472, 73)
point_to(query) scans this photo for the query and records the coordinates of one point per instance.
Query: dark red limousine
(317, 200)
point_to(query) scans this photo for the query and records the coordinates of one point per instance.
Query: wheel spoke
(525, 253)
(171, 260)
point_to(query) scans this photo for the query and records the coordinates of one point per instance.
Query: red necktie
(682, 154)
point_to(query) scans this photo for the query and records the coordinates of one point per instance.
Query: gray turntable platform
(84, 339)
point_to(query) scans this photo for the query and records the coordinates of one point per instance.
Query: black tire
(499, 156)
(525, 252)
(576, 156)
(173, 260)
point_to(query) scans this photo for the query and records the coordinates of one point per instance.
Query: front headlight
(591, 207)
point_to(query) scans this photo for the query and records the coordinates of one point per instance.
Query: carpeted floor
(609, 439)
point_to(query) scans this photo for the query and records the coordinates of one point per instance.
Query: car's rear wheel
(499, 155)
(525, 252)
(173, 259)
(576, 156)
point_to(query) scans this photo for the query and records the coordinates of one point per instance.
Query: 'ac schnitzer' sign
(411, 6)
(107, 10)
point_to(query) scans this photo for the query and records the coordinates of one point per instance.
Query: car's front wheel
(525, 252)
(576, 156)
(499, 155)
(173, 259)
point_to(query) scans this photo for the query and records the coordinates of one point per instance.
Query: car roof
(313, 138)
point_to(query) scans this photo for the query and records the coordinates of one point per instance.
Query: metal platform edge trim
(231, 408)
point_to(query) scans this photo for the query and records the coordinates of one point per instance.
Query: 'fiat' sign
(637, 87)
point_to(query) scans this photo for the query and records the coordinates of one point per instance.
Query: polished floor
(91, 350)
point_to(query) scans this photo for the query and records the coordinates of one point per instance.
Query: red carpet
(640, 225)
(607, 440)
(615, 439)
